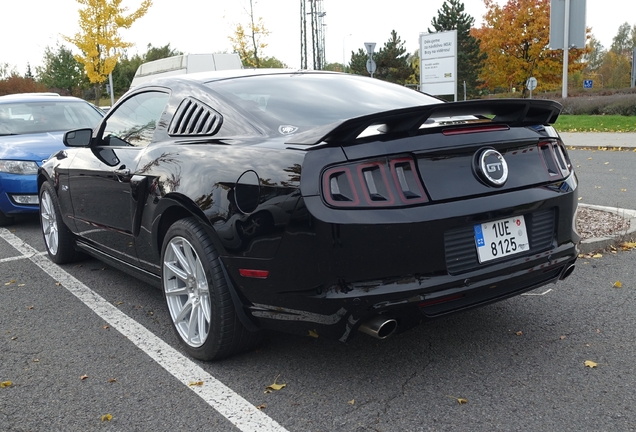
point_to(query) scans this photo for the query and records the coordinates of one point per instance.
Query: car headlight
(18, 167)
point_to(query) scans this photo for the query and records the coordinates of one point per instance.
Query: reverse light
(18, 167)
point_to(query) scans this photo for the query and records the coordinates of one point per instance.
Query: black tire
(58, 239)
(5, 220)
(194, 285)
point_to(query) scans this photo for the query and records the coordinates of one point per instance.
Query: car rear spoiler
(512, 112)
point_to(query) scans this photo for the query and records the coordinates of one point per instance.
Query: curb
(598, 243)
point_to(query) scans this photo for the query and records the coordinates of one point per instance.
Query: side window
(133, 123)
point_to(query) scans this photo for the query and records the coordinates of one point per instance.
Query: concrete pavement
(593, 140)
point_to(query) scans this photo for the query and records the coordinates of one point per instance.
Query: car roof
(36, 97)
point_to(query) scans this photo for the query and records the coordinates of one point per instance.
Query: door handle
(122, 171)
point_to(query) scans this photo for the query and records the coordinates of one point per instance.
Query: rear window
(304, 101)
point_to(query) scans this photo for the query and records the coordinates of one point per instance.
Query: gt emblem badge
(287, 129)
(492, 167)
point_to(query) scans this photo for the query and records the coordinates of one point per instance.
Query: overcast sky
(203, 26)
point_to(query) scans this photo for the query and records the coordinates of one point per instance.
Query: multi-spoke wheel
(197, 295)
(57, 237)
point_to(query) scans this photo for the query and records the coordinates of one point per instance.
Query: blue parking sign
(588, 84)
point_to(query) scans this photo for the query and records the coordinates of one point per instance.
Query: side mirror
(78, 138)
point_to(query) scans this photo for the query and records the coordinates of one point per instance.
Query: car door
(102, 176)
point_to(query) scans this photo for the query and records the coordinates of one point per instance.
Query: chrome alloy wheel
(49, 223)
(187, 293)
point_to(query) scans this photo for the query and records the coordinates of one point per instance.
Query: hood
(34, 147)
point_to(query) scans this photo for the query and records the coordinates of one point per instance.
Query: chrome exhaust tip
(380, 327)
(567, 272)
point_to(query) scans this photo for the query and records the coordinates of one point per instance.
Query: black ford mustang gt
(313, 203)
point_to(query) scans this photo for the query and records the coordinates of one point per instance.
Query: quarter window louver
(194, 118)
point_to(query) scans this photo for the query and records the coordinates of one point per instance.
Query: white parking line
(233, 407)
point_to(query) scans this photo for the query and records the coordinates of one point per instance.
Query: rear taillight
(555, 159)
(385, 183)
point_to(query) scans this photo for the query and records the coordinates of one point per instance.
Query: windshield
(26, 117)
(304, 101)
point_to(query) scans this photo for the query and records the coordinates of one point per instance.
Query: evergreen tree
(392, 61)
(470, 59)
(61, 72)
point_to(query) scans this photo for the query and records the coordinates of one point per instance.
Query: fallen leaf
(119, 303)
(628, 245)
(112, 380)
(590, 364)
(261, 407)
(618, 284)
(58, 283)
(580, 198)
(196, 384)
(623, 190)
(107, 417)
(29, 307)
(606, 163)
(598, 330)
(36, 360)
(598, 255)
(21, 285)
(83, 377)
(275, 387)
(4, 384)
(351, 402)
(459, 400)
(313, 333)
(14, 338)
(519, 333)
(105, 327)
(12, 281)
(563, 337)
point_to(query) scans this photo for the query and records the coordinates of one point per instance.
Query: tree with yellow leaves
(99, 40)
(248, 41)
(515, 37)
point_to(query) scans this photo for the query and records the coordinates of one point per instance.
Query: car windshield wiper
(7, 134)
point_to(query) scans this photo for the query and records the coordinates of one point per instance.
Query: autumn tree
(99, 40)
(470, 59)
(248, 41)
(515, 37)
(60, 71)
(15, 83)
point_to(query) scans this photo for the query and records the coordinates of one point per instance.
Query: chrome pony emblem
(287, 129)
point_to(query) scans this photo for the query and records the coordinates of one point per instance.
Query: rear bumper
(412, 300)
(336, 269)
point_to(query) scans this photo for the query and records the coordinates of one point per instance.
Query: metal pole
(112, 90)
(566, 44)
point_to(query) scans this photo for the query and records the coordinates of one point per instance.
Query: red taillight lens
(256, 274)
(555, 159)
(391, 183)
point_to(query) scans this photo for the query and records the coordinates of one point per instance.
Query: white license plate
(501, 238)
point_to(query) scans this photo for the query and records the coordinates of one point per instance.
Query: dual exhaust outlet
(381, 327)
